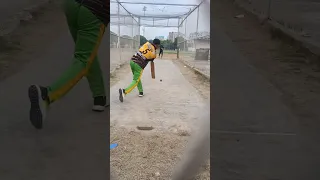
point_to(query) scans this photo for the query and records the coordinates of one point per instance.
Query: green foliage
(167, 44)
(143, 40)
(175, 43)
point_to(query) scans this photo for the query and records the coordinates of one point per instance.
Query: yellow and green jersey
(146, 53)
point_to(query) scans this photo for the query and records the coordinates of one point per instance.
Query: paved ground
(298, 15)
(9, 10)
(73, 143)
(188, 58)
(254, 135)
(166, 103)
(287, 69)
(202, 65)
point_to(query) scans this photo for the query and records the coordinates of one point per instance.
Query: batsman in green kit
(146, 54)
(86, 20)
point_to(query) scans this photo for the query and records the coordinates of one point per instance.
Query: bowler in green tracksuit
(86, 20)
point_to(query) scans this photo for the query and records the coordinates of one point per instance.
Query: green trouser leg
(94, 75)
(87, 31)
(137, 73)
(139, 85)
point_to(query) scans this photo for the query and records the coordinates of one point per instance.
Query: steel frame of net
(179, 17)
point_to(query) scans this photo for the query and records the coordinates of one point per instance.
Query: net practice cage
(188, 23)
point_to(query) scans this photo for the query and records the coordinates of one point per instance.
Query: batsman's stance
(138, 62)
(86, 20)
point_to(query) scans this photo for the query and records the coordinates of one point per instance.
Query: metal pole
(195, 44)
(118, 44)
(185, 35)
(119, 3)
(188, 14)
(144, 14)
(152, 3)
(198, 20)
(145, 25)
(132, 35)
(149, 16)
(178, 39)
(144, 10)
(139, 31)
(143, 30)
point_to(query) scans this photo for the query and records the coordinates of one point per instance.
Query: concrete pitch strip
(169, 102)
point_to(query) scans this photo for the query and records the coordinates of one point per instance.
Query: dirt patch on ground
(29, 39)
(285, 66)
(148, 155)
(144, 155)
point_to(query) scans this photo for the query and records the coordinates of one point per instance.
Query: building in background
(198, 40)
(200, 35)
(161, 38)
(172, 36)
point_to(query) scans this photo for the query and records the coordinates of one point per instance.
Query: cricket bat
(153, 75)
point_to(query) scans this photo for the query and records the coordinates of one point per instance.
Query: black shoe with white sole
(140, 94)
(99, 103)
(121, 94)
(39, 100)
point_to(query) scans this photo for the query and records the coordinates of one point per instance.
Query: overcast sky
(156, 10)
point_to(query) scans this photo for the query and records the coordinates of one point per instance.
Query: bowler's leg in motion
(137, 72)
(87, 31)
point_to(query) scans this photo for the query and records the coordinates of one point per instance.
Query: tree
(143, 40)
(140, 38)
(167, 44)
(175, 43)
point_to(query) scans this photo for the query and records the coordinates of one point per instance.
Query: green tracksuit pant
(137, 72)
(87, 31)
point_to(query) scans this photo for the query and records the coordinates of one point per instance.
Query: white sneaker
(38, 97)
(99, 104)
(121, 94)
